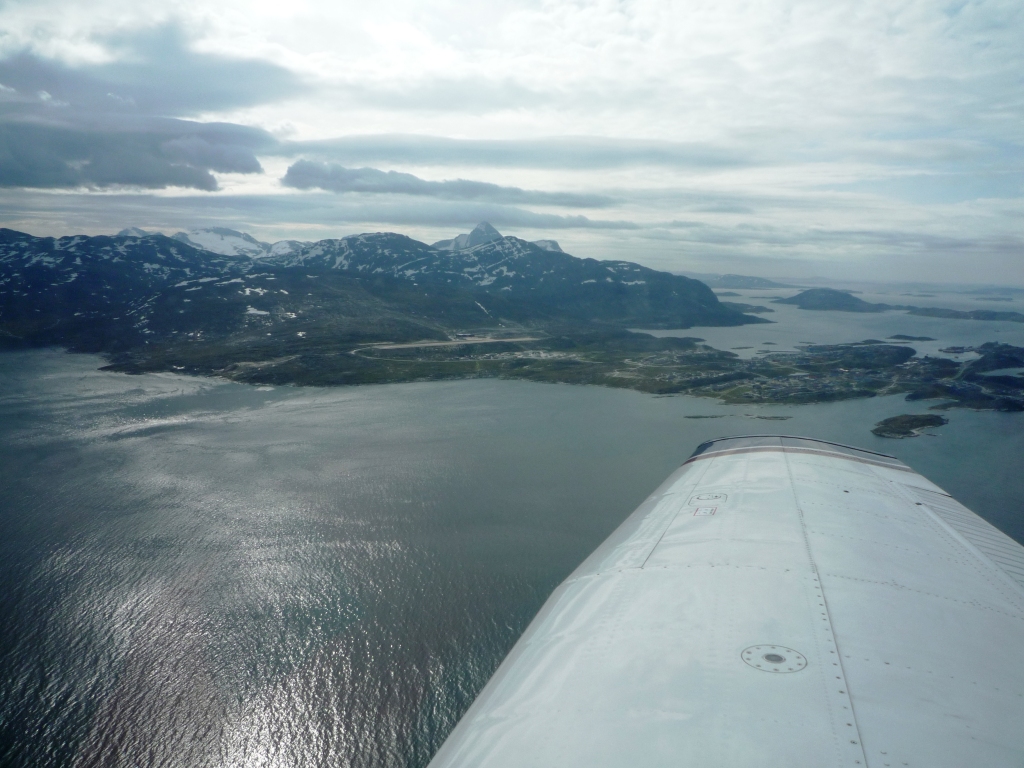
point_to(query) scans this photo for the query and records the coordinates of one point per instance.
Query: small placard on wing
(700, 511)
(699, 497)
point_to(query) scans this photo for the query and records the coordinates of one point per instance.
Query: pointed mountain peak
(482, 233)
(133, 232)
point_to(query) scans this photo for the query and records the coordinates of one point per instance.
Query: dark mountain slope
(157, 303)
(112, 294)
(549, 282)
(96, 293)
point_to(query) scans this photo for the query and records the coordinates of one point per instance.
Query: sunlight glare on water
(201, 573)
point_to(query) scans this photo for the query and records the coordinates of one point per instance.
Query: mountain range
(137, 292)
(231, 242)
(227, 242)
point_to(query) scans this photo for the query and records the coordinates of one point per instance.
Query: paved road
(446, 343)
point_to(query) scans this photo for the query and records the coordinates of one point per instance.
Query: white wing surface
(778, 601)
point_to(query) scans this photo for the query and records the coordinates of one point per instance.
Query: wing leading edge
(778, 601)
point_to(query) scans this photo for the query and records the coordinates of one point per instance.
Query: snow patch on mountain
(284, 247)
(226, 242)
(230, 242)
(549, 245)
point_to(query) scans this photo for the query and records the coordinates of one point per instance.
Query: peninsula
(383, 307)
(843, 301)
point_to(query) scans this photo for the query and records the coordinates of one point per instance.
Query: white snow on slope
(284, 247)
(229, 242)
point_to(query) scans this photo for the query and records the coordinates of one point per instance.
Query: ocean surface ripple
(201, 573)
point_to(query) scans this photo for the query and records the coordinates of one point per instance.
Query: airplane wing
(778, 601)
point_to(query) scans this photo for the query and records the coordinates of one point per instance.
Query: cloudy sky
(852, 139)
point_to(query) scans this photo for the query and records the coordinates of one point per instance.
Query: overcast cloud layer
(782, 138)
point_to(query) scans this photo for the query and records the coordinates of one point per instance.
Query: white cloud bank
(778, 137)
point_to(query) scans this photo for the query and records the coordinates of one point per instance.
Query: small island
(831, 299)
(908, 425)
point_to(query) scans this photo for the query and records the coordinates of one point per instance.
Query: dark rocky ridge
(552, 283)
(114, 294)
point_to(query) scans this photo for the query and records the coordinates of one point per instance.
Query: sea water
(195, 572)
(791, 328)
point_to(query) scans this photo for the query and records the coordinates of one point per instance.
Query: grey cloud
(323, 212)
(148, 153)
(116, 124)
(104, 125)
(330, 216)
(723, 208)
(884, 240)
(329, 209)
(944, 187)
(198, 151)
(697, 245)
(580, 152)
(154, 72)
(306, 174)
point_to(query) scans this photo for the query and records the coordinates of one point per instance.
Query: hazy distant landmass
(843, 301)
(831, 299)
(973, 314)
(751, 308)
(739, 281)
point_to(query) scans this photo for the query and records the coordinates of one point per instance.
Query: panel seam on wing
(832, 712)
(897, 585)
(696, 485)
(1005, 553)
(1005, 586)
(930, 555)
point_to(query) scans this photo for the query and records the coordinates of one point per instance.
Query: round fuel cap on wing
(774, 658)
